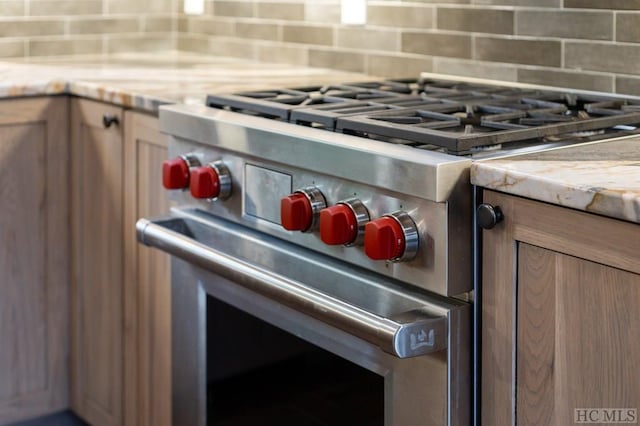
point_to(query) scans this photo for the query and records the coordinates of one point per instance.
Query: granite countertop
(147, 80)
(599, 177)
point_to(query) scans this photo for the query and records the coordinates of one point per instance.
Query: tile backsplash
(62, 27)
(585, 44)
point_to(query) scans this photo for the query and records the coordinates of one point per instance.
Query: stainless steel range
(322, 243)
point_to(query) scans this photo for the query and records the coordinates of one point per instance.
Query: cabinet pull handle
(489, 216)
(109, 119)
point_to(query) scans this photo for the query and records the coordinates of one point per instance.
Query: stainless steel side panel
(433, 389)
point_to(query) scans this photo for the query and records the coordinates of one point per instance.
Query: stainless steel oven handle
(406, 335)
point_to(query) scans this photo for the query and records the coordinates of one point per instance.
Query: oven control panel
(411, 239)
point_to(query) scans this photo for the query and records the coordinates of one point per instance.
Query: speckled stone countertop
(147, 80)
(600, 177)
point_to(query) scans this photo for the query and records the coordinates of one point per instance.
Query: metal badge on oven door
(300, 211)
(344, 223)
(393, 237)
(211, 182)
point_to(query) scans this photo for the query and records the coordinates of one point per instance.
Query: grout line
(614, 81)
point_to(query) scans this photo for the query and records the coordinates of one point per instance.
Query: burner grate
(461, 129)
(450, 116)
(325, 116)
(278, 104)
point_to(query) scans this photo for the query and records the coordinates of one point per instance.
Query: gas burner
(461, 129)
(325, 116)
(407, 86)
(451, 116)
(278, 104)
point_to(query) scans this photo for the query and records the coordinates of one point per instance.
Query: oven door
(418, 344)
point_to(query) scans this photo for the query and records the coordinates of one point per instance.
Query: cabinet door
(147, 285)
(561, 324)
(97, 246)
(578, 338)
(34, 251)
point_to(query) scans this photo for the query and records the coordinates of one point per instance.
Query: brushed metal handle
(406, 334)
(110, 119)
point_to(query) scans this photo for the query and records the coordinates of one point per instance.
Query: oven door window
(261, 375)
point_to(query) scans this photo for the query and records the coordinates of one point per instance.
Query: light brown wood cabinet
(85, 311)
(121, 296)
(34, 278)
(560, 314)
(97, 215)
(147, 279)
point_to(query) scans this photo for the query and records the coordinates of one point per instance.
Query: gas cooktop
(454, 117)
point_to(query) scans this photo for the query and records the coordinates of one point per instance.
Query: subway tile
(359, 38)
(208, 7)
(322, 12)
(628, 85)
(233, 8)
(157, 23)
(148, 6)
(257, 31)
(471, 68)
(307, 34)
(346, 61)
(519, 51)
(286, 11)
(138, 43)
(296, 55)
(628, 27)
(193, 43)
(397, 66)
(211, 26)
(232, 47)
(475, 20)
(65, 7)
(400, 16)
(571, 79)
(603, 57)
(437, 1)
(565, 24)
(182, 24)
(12, 8)
(437, 44)
(527, 3)
(107, 25)
(12, 48)
(32, 27)
(77, 46)
(603, 4)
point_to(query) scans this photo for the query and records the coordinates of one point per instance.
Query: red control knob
(175, 173)
(296, 212)
(338, 225)
(384, 239)
(205, 182)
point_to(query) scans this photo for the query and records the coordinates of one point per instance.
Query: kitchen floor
(65, 418)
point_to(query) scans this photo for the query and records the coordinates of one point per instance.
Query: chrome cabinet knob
(489, 216)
